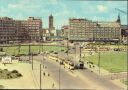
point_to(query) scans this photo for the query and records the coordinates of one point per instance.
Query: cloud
(24, 5)
(102, 8)
(62, 10)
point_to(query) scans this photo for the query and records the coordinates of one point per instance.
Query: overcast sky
(62, 10)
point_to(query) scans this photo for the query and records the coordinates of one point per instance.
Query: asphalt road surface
(79, 79)
(65, 78)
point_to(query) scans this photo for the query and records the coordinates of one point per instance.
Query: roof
(109, 24)
(65, 27)
(124, 26)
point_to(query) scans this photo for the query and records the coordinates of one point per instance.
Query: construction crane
(121, 11)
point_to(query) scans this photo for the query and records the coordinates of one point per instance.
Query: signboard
(6, 59)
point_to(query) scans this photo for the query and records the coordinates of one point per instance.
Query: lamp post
(127, 56)
(67, 46)
(99, 60)
(80, 52)
(40, 77)
(32, 60)
(59, 72)
(75, 51)
(80, 47)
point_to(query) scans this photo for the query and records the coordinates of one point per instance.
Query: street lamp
(81, 46)
(40, 77)
(32, 61)
(99, 60)
(67, 46)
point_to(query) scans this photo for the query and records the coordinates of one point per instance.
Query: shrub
(1, 86)
(19, 75)
(14, 71)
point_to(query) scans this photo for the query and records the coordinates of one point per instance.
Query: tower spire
(118, 19)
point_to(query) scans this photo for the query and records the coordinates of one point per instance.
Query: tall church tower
(50, 21)
(51, 26)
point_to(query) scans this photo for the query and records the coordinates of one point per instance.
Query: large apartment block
(33, 25)
(11, 31)
(19, 30)
(87, 30)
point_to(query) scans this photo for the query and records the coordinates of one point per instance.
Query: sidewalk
(25, 82)
(30, 79)
(47, 82)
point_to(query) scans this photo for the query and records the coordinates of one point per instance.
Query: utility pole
(127, 51)
(59, 72)
(29, 51)
(67, 47)
(40, 77)
(118, 46)
(19, 50)
(99, 62)
(75, 51)
(32, 61)
(80, 52)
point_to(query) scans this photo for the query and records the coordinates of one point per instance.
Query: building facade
(124, 33)
(34, 26)
(19, 30)
(45, 34)
(87, 30)
(11, 31)
(51, 26)
(65, 31)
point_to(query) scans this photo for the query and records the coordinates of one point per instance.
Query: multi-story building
(65, 31)
(11, 31)
(87, 30)
(20, 30)
(107, 31)
(34, 26)
(7, 30)
(124, 33)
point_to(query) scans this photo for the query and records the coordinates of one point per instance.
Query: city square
(71, 50)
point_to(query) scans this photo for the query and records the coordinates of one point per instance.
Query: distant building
(34, 25)
(124, 30)
(11, 31)
(19, 30)
(87, 30)
(51, 22)
(45, 34)
(124, 33)
(51, 26)
(59, 33)
(65, 31)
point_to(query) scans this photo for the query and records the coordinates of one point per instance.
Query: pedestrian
(44, 73)
(48, 74)
(52, 85)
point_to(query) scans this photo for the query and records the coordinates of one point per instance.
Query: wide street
(77, 79)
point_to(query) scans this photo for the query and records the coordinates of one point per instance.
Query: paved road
(65, 78)
(80, 79)
(105, 84)
(102, 82)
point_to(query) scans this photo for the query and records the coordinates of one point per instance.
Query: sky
(62, 10)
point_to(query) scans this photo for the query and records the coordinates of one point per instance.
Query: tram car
(68, 63)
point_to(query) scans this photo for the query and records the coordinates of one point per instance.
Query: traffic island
(5, 74)
(1, 87)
